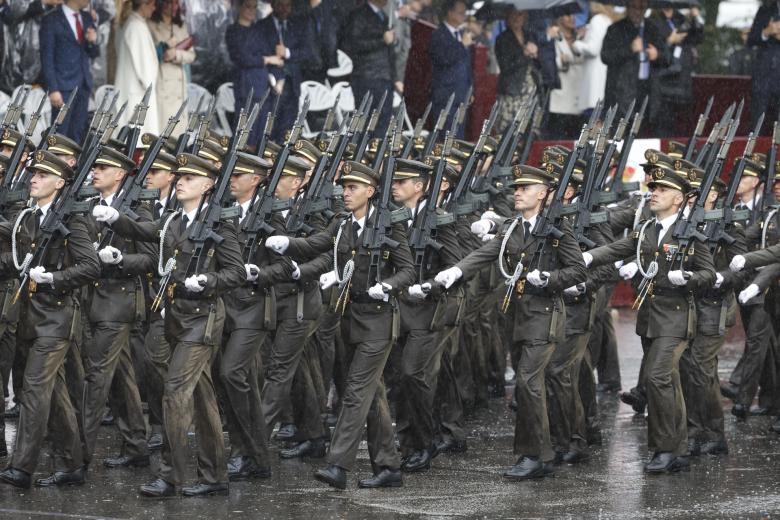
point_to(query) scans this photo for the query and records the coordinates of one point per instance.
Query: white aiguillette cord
(170, 264)
(509, 280)
(652, 269)
(346, 274)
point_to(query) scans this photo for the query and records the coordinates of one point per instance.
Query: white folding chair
(346, 100)
(226, 104)
(194, 95)
(343, 66)
(30, 106)
(321, 98)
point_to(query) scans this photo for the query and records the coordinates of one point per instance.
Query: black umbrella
(659, 4)
(498, 10)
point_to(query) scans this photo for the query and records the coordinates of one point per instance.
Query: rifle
(721, 220)
(137, 122)
(771, 166)
(416, 139)
(617, 186)
(698, 131)
(600, 195)
(460, 114)
(686, 230)
(257, 223)
(387, 143)
(61, 115)
(360, 113)
(437, 128)
(268, 129)
(128, 198)
(204, 122)
(424, 228)
(536, 126)
(330, 118)
(65, 204)
(15, 109)
(16, 155)
(98, 117)
(705, 152)
(369, 130)
(192, 123)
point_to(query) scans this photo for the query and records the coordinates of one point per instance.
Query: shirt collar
(450, 28)
(191, 215)
(532, 220)
(373, 7)
(108, 200)
(362, 221)
(68, 11)
(44, 209)
(244, 208)
(667, 223)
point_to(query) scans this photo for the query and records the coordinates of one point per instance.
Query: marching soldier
(541, 270)
(667, 317)
(49, 316)
(194, 320)
(368, 327)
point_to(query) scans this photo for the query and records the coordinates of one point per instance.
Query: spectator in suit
(68, 41)
(742, 59)
(516, 53)
(633, 51)
(675, 82)
(370, 43)
(405, 15)
(320, 18)
(765, 35)
(451, 60)
(291, 46)
(253, 54)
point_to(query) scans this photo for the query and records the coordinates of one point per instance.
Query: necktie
(183, 225)
(283, 31)
(79, 28)
(658, 229)
(355, 230)
(158, 207)
(526, 230)
(37, 222)
(459, 35)
(382, 16)
(103, 202)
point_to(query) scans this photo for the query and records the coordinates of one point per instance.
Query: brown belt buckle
(32, 286)
(520, 288)
(170, 290)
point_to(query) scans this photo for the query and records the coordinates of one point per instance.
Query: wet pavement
(745, 484)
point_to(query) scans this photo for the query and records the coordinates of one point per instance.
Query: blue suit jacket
(64, 61)
(246, 48)
(451, 67)
(767, 64)
(296, 41)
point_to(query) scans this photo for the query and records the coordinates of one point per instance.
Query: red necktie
(79, 28)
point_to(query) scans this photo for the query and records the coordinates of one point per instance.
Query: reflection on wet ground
(610, 485)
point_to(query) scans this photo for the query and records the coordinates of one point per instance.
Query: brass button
(97, 284)
(197, 309)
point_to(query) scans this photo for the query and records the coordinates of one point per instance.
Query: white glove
(328, 280)
(750, 292)
(488, 237)
(678, 277)
(737, 263)
(379, 290)
(252, 272)
(416, 291)
(110, 255)
(296, 275)
(618, 264)
(537, 278)
(481, 227)
(39, 275)
(277, 243)
(449, 276)
(718, 280)
(162, 314)
(105, 214)
(196, 282)
(587, 258)
(491, 215)
(628, 271)
(574, 290)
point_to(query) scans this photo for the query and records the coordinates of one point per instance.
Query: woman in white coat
(565, 119)
(176, 51)
(136, 61)
(594, 78)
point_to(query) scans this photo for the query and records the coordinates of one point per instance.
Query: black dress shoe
(287, 432)
(331, 420)
(759, 410)
(417, 462)
(63, 478)
(775, 426)
(108, 419)
(13, 412)
(740, 411)
(16, 477)
(244, 468)
(450, 445)
(634, 400)
(528, 468)
(694, 448)
(575, 457)
(3, 448)
(125, 461)
(314, 449)
(667, 462)
(201, 489)
(594, 437)
(728, 391)
(715, 448)
(607, 388)
(158, 489)
(385, 478)
(334, 476)
(155, 442)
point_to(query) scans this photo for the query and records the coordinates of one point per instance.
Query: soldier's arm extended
(764, 277)
(401, 258)
(86, 266)
(230, 271)
(312, 269)
(279, 271)
(762, 257)
(314, 245)
(617, 250)
(451, 253)
(601, 234)
(143, 231)
(732, 280)
(144, 259)
(571, 269)
(702, 268)
(481, 257)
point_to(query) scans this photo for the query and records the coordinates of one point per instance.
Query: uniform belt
(536, 291)
(668, 291)
(48, 289)
(365, 298)
(186, 294)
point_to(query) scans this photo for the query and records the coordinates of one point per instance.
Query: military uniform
(666, 322)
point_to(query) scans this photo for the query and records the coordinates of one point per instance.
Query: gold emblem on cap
(298, 145)
(6, 134)
(147, 138)
(182, 160)
(322, 145)
(429, 161)
(692, 176)
(517, 170)
(39, 156)
(218, 165)
(437, 149)
(52, 140)
(658, 173)
(651, 156)
(550, 167)
(347, 168)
